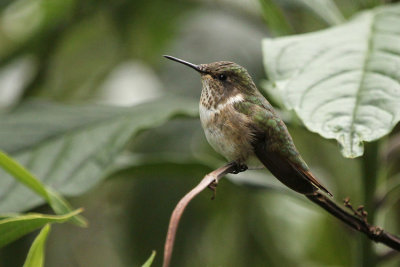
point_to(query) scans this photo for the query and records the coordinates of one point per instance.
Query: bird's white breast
(206, 114)
(231, 140)
(212, 129)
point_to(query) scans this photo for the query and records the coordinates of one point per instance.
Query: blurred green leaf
(78, 64)
(275, 19)
(15, 227)
(365, 4)
(27, 25)
(342, 82)
(149, 262)
(388, 193)
(325, 9)
(70, 148)
(35, 256)
(59, 205)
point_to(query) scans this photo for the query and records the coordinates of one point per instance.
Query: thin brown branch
(357, 220)
(180, 207)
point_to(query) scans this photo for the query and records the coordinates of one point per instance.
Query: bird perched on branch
(240, 124)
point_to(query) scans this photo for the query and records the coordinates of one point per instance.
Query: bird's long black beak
(193, 66)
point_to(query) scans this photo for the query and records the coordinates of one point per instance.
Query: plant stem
(370, 166)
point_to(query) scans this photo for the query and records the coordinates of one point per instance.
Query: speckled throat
(214, 95)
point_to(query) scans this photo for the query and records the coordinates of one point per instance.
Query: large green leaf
(343, 82)
(70, 148)
(35, 256)
(14, 227)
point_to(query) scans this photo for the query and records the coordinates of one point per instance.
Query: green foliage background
(129, 164)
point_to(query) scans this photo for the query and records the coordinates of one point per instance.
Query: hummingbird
(241, 125)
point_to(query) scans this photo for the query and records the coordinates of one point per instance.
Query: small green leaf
(58, 204)
(15, 227)
(343, 82)
(61, 206)
(150, 259)
(35, 256)
(22, 175)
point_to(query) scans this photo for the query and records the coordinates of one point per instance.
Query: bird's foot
(238, 167)
(213, 186)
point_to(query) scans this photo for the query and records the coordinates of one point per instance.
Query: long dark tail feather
(314, 180)
(296, 178)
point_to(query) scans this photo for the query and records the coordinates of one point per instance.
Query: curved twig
(213, 176)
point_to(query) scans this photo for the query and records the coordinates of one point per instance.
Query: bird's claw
(238, 167)
(213, 186)
(243, 168)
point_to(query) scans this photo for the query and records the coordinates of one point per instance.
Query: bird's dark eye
(222, 77)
